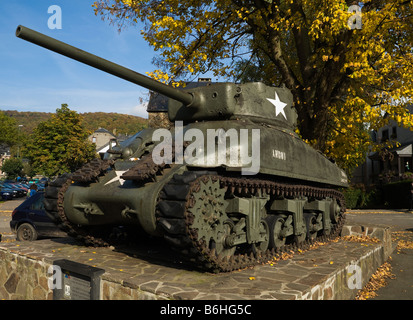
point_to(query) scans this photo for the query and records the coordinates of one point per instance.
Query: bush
(358, 197)
(352, 196)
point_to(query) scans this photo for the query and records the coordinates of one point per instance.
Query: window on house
(394, 133)
(385, 135)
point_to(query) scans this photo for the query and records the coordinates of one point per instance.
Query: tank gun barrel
(102, 64)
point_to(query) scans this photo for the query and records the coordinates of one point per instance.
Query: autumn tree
(346, 62)
(60, 144)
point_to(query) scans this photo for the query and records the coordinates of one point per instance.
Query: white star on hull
(279, 105)
(117, 178)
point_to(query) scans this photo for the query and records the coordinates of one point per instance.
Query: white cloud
(140, 110)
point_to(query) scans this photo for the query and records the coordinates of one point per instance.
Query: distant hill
(114, 122)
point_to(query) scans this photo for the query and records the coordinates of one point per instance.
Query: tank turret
(228, 186)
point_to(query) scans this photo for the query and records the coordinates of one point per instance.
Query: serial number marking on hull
(277, 154)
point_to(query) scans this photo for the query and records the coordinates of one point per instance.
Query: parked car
(29, 220)
(20, 191)
(8, 193)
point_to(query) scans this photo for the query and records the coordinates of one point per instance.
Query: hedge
(398, 195)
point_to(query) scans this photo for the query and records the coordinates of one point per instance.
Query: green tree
(12, 167)
(28, 170)
(59, 144)
(8, 130)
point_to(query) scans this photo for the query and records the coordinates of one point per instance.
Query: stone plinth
(151, 271)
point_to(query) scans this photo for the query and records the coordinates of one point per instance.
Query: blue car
(8, 193)
(30, 222)
(21, 192)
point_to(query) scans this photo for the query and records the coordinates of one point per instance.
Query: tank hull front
(114, 201)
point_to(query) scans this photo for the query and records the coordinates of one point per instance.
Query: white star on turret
(279, 105)
(117, 178)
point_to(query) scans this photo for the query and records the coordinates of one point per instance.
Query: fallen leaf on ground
(377, 281)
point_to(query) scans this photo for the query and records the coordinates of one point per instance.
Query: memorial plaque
(76, 281)
(75, 288)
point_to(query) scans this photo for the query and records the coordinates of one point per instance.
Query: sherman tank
(230, 185)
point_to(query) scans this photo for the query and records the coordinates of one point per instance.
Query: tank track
(91, 170)
(174, 213)
(54, 197)
(144, 170)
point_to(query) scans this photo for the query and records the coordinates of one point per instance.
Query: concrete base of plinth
(330, 271)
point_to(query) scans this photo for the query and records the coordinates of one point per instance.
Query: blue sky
(35, 79)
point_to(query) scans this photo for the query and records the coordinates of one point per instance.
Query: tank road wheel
(335, 210)
(264, 234)
(299, 239)
(276, 223)
(210, 220)
(311, 224)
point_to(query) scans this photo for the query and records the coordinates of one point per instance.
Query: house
(4, 155)
(102, 138)
(390, 163)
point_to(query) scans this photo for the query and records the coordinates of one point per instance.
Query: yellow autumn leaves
(194, 37)
(178, 35)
